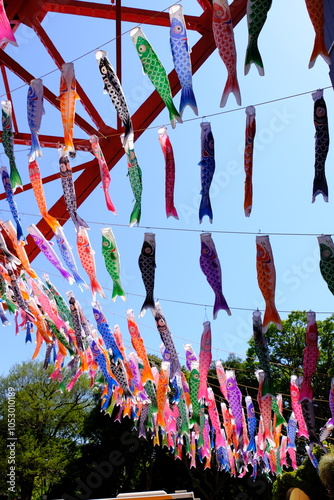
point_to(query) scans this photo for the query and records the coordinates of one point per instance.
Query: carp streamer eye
(142, 48)
(177, 29)
(313, 336)
(320, 112)
(326, 253)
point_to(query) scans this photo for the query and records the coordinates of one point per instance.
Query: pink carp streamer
(6, 33)
(104, 171)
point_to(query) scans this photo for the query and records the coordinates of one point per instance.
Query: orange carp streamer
(266, 277)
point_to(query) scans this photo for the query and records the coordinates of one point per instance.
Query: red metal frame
(31, 13)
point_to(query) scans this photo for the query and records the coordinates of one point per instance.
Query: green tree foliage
(48, 426)
(305, 478)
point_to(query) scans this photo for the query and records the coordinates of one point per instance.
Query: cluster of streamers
(208, 166)
(154, 69)
(35, 111)
(61, 240)
(248, 158)
(174, 408)
(104, 171)
(181, 58)
(68, 97)
(168, 153)
(266, 277)
(257, 12)
(7, 140)
(321, 145)
(181, 413)
(223, 33)
(210, 265)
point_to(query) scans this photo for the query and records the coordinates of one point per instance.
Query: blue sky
(282, 179)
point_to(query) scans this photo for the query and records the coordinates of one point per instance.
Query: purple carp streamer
(208, 166)
(210, 266)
